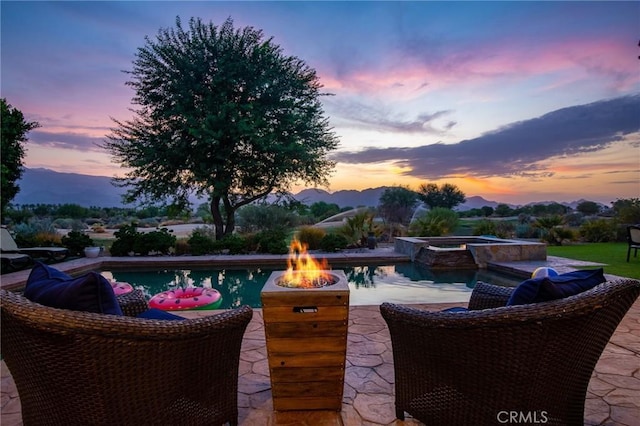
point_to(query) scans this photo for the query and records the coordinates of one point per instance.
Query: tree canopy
(397, 204)
(14, 135)
(222, 112)
(447, 196)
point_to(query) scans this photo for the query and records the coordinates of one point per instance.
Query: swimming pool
(369, 284)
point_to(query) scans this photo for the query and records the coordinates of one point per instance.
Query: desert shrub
(261, 217)
(73, 224)
(505, 229)
(621, 233)
(98, 228)
(182, 247)
(150, 222)
(333, 242)
(485, 227)
(574, 219)
(552, 230)
(434, 223)
(36, 233)
(598, 231)
(207, 231)
(170, 222)
(556, 236)
(76, 241)
(311, 236)
(525, 230)
(357, 227)
(47, 239)
(271, 241)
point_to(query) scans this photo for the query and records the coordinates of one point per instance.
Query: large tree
(447, 196)
(14, 135)
(397, 204)
(222, 112)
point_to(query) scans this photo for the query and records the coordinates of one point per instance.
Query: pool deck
(613, 396)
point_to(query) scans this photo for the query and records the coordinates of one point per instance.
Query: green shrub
(203, 241)
(598, 231)
(333, 242)
(234, 243)
(311, 236)
(155, 242)
(200, 244)
(125, 239)
(552, 231)
(357, 227)
(129, 240)
(76, 241)
(485, 227)
(272, 241)
(436, 222)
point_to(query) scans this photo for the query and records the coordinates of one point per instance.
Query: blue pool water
(368, 284)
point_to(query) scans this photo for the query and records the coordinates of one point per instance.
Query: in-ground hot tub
(468, 252)
(306, 331)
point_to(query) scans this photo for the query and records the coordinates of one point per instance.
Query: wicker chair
(482, 366)
(633, 239)
(78, 368)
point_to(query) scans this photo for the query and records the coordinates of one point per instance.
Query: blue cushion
(543, 289)
(90, 293)
(159, 314)
(455, 309)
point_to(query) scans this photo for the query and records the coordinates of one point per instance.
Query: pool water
(368, 284)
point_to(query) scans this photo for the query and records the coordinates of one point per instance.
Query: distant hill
(44, 186)
(368, 197)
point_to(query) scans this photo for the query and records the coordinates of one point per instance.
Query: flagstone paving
(613, 395)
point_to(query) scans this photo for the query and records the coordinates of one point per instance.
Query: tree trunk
(231, 216)
(218, 222)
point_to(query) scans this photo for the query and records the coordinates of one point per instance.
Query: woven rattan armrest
(133, 303)
(489, 296)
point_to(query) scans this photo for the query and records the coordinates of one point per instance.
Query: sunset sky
(512, 101)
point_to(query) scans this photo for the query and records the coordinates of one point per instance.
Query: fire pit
(306, 314)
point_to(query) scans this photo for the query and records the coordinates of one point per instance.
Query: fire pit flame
(304, 271)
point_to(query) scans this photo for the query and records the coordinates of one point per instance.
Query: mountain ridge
(45, 186)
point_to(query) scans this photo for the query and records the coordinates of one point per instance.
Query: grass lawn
(613, 255)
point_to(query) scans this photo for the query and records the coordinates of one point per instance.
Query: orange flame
(303, 270)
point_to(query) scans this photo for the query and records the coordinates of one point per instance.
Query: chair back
(78, 368)
(7, 243)
(633, 234)
(537, 359)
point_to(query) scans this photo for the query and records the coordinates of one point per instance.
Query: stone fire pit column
(306, 331)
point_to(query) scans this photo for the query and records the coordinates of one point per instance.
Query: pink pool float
(121, 287)
(190, 298)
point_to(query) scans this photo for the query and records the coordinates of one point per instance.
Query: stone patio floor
(613, 397)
